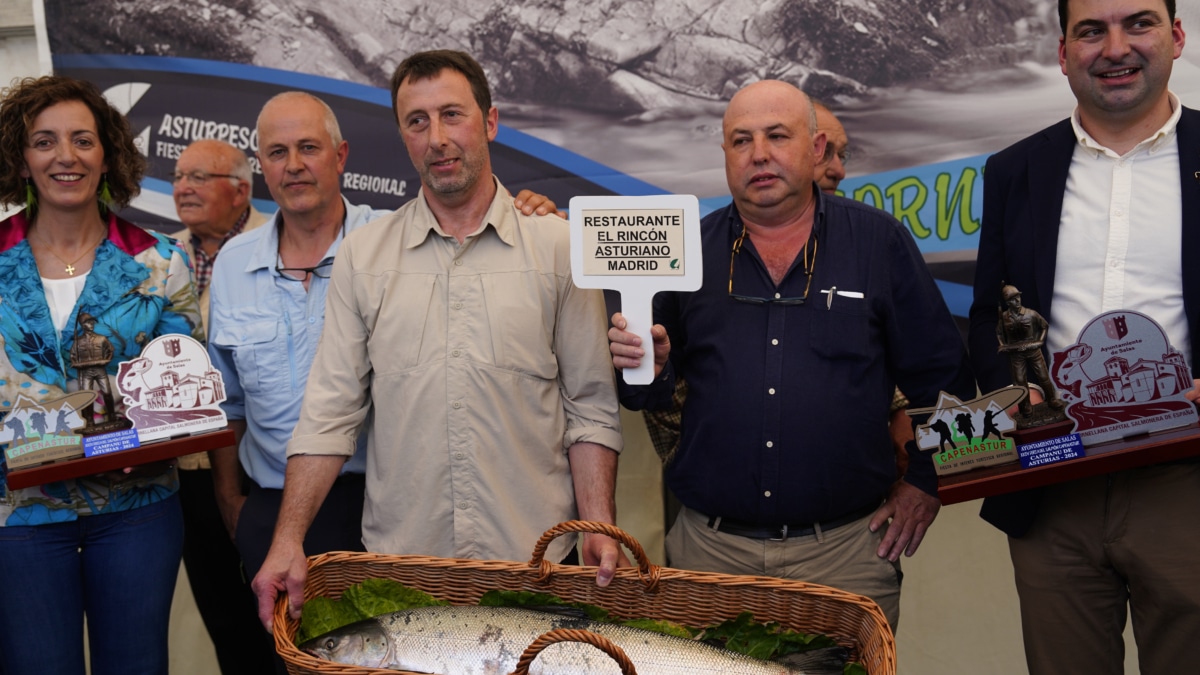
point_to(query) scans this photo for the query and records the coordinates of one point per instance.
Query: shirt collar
(501, 217)
(234, 231)
(1165, 133)
(266, 252)
(736, 224)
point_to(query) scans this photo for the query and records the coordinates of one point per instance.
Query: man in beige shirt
(455, 334)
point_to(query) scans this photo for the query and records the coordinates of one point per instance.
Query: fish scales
(475, 640)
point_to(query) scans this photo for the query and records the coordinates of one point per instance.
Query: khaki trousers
(843, 558)
(1099, 545)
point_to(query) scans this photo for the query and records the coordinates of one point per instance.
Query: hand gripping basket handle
(647, 572)
(572, 635)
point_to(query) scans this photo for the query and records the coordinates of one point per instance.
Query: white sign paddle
(637, 246)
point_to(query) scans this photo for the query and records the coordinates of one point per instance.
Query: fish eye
(330, 643)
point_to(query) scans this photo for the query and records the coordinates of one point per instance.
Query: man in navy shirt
(812, 309)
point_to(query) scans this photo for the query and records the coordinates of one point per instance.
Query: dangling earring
(106, 197)
(30, 199)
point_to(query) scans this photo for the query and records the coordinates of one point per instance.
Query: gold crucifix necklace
(70, 265)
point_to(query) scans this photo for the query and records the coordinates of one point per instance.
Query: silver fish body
(475, 640)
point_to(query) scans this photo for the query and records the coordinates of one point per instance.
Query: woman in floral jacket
(105, 546)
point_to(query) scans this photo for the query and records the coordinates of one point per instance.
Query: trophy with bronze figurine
(1021, 333)
(91, 355)
(170, 391)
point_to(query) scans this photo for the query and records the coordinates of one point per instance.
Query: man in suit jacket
(1095, 213)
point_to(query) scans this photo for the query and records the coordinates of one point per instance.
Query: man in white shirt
(1097, 213)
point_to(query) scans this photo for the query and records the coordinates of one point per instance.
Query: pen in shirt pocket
(833, 290)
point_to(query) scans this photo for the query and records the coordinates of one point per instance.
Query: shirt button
(777, 296)
(459, 455)
(458, 263)
(462, 505)
(312, 319)
(771, 391)
(456, 405)
(767, 493)
(454, 353)
(770, 444)
(774, 342)
(458, 305)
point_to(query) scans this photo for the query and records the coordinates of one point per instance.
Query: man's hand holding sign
(637, 246)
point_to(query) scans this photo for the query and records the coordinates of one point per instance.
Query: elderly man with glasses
(212, 182)
(812, 309)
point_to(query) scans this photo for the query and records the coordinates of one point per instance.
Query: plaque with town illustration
(172, 389)
(1123, 377)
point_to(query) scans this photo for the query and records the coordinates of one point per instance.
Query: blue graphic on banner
(1050, 451)
(102, 444)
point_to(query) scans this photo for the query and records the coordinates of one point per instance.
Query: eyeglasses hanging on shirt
(302, 274)
(809, 264)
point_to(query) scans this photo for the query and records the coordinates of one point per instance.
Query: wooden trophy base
(1128, 453)
(156, 451)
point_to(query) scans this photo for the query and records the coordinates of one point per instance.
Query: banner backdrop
(601, 97)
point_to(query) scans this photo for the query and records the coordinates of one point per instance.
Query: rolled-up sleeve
(586, 381)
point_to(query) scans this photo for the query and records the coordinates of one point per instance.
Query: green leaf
(530, 600)
(375, 597)
(853, 668)
(660, 626)
(372, 597)
(321, 615)
(762, 640)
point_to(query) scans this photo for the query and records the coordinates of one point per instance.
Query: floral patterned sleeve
(182, 312)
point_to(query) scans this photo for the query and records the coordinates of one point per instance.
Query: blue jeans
(117, 568)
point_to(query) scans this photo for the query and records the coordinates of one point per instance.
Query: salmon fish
(476, 640)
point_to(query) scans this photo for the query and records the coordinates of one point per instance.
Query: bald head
(231, 160)
(278, 103)
(770, 150)
(771, 96)
(831, 167)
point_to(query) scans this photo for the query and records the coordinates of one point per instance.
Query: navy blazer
(1018, 242)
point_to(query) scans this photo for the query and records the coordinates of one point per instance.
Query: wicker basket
(647, 591)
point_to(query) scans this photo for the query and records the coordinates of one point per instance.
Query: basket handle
(572, 635)
(649, 573)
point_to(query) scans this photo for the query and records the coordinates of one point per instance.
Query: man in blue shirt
(268, 305)
(812, 309)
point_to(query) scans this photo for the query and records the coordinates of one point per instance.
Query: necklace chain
(70, 265)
